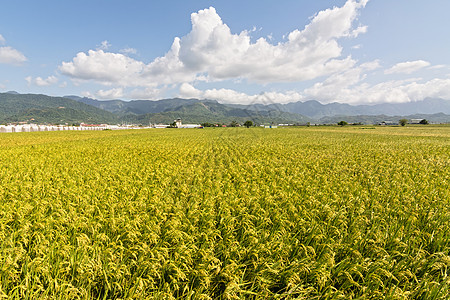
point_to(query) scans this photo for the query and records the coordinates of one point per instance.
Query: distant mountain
(214, 112)
(16, 107)
(296, 112)
(312, 108)
(137, 107)
(190, 111)
(315, 110)
(427, 106)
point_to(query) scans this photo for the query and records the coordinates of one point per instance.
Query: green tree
(233, 124)
(248, 124)
(403, 122)
(424, 122)
(342, 123)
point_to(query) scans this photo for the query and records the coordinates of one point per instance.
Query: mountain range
(315, 110)
(15, 107)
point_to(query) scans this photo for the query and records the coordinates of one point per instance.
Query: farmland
(226, 213)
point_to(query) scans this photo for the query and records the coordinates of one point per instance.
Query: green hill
(135, 107)
(16, 107)
(214, 112)
(191, 111)
(46, 109)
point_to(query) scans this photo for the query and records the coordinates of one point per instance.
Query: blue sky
(354, 51)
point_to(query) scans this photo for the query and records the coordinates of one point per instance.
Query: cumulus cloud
(210, 51)
(110, 94)
(402, 91)
(349, 87)
(395, 91)
(435, 88)
(39, 81)
(187, 90)
(10, 55)
(407, 67)
(234, 97)
(105, 67)
(120, 93)
(211, 48)
(105, 94)
(337, 86)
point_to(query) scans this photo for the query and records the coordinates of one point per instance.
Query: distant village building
(388, 123)
(179, 124)
(160, 126)
(35, 127)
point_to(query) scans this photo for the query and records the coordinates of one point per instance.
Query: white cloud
(404, 91)
(105, 67)
(145, 94)
(189, 91)
(211, 48)
(437, 67)
(105, 94)
(128, 51)
(110, 94)
(350, 87)
(394, 91)
(358, 31)
(212, 52)
(120, 93)
(407, 67)
(105, 45)
(337, 86)
(46, 82)
(39, 81)
(232, 96)
(10, 55)
(435, 88)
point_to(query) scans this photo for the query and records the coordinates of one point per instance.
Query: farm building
(179, 124)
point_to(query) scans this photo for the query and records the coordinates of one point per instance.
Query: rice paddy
(226, 213)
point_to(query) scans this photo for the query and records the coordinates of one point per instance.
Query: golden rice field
(226, 213)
